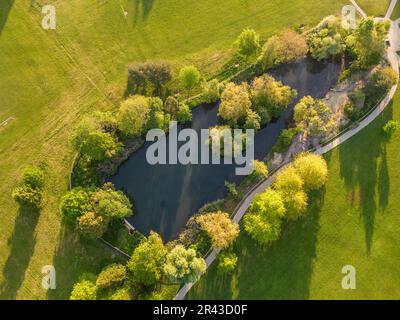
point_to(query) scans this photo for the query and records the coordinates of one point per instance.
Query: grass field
(353, 221)
(49, 79)
(374, 7)
(396, 12)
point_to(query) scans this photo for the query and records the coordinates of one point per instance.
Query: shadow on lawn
(363, 167)
(5, 8)
(147, 6)
(22, 243)
(75, 256)
(280, 271)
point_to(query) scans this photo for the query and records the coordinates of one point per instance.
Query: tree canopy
(312, 169)
(235, 103)
(133, 116)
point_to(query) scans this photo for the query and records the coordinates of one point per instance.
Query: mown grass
(354, 221)
(376, 8)
(50, 79)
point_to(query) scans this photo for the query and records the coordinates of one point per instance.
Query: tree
(366, 45)
(183, 265)
(235, 103)
(253, 120)
(171, 106)
(34, 177)
(382, 80)
(326, 39)
(189, 77)
(271, 95)
(260, 170)
(84, 290)
(147, 261)
(111, 276)
(110, 203)
(184, 113)
(75, 203)
(227, 262)
(312, 169)
(391, 127)
(248, 42)
(133, 116)
(220, 228)
(290, 185)
(262, 229)
(268, 204)
(121, 294)
(313, 116)
(90, 140)
(28, 197)
(211, 91)
(288, 47)
(158, 119)
(91, 225)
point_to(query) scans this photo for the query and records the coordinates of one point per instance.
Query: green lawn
(396, 11)
(354, 221)
(49, 79)
(374, 7)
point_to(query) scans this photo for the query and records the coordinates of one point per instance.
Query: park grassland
(376, 8)
(354, 221)
(50, 79)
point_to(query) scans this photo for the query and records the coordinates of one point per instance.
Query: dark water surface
(166, 196)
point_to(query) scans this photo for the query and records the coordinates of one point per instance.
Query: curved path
(241, 209)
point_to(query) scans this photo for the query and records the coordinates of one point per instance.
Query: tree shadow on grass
(75, 256)
(22, 243)
(280, 271)
(146, 5)
(360, 161)
(5, 8)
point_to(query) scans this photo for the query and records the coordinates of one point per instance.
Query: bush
(379, 84)
(260, 170)
(352, 113)
(189, 77)
(171, 106)
(121, 294)
(391, 127)
(33, 177)
(248, 42)
(184, 113)
(84, 290)
(91, 225)
(27, 196)
(75, 203)
(312, 169)
(111, 276)
(285, 139)
(211, 91)
(227, 262)
(253, 121)
(133, 116)
(231, 187)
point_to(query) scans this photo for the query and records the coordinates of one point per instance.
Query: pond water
(165, 196)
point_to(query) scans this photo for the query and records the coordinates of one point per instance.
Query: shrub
(111, 276)
(121, 294)
(231, 187)
(33, 177)
(84, 290)
(183, 265)
(285, 139)
(253, 120)
(171, 106)
(75, 203)
(227, 262)
(189, 77)
(391, 127)
(27, 197)
(248, 42)
(379, 84)
(184, 113)
(211, 91)
(91, 225)
(220, 228)
(260, 170)
(312, 169)
(352, 113)
(133, 116)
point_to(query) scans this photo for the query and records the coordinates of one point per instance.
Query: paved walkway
(241, 209)
(391, 8)
(360, 11)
